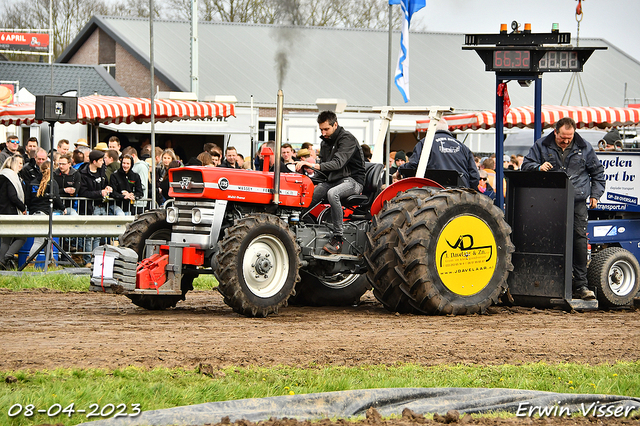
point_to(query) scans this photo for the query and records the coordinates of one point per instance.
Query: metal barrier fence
(77, 232)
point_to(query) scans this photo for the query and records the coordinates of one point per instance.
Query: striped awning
(521, 117)
(117, 110)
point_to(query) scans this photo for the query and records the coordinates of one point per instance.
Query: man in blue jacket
(342, 161)
(447, 153)
(565, 150)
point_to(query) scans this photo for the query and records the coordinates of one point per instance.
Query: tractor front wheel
(153, 225)
(258, 264)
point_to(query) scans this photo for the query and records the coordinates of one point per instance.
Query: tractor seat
(371, 187)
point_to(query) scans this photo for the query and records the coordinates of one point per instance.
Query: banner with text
(621, 171)
(24, 42)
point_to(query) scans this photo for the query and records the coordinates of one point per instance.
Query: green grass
(164, 388)
(67, 282)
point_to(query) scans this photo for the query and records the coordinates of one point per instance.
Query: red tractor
(422, 247)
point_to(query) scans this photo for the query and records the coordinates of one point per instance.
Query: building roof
(351, 64)
(85, 79)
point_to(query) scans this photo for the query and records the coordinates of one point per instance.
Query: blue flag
(409, 7)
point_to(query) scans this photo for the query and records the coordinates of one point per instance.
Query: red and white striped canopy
(116, 110)
(521, 117)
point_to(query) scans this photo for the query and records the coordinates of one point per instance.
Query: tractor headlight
(196, 216)
(202, 216)
(172, 215)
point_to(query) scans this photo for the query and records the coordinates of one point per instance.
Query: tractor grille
(187, 182)
(184, 224)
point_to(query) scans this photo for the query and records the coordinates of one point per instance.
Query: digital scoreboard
(529, 53)
(520, 60)
(534, 59)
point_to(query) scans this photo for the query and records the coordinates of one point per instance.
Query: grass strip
(164, 388)
(67, 282)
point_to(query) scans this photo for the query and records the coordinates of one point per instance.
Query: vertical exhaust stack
(276, 166)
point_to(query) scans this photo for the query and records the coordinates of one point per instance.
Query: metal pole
(499, 149)
(387, 137)
(276, 166)
(47, 251)
(194, 47)
(153, 115)
(252, 129)
(537, 128)
(51, 41)
(389, 63)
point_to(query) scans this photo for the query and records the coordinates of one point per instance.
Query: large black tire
(251, 288)
(457, 254)
(615, 273)
(152, 224)
(384, 248)
(342, 290)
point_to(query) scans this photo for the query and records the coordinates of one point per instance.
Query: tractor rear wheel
(615, 273)
(340, 290)
(384, 248)
(457, 254)
(258, 264)
(153, 225)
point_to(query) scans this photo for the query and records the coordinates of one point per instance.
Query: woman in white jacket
(12, 196)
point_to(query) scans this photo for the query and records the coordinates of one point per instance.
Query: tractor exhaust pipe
(276, 166)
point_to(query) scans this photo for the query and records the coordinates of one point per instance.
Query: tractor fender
(400, 186)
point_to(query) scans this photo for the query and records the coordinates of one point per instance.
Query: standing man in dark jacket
(342, 161)
(447, 153)
(31, 170)
(66, 177)
(566, 151)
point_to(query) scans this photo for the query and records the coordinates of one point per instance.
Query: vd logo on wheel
(466, 255)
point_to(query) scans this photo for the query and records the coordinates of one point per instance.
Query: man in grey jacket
(342, 161)
(565, 150)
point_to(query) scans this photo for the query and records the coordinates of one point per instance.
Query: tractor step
(337, 257)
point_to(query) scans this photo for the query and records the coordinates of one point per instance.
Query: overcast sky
(616, 21)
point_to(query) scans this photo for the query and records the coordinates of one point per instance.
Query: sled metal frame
(540, 212)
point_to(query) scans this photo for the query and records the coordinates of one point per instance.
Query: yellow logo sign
(466, 255)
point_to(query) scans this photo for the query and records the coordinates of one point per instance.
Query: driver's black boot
(335, 245)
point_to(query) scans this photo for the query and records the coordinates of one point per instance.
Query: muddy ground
(46, 329)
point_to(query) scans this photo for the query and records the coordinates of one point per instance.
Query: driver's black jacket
(341, 157)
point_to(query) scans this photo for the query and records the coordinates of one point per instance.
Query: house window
(111, 69)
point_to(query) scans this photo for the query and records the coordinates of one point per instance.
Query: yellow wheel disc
(466, 255)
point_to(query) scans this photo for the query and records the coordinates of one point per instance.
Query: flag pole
(389, 76)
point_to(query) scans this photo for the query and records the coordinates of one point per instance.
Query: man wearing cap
(93, 185)
(611, 141)
(82, 142)
(102, 146)
(565, 151)
(447, 153)
(10, 148)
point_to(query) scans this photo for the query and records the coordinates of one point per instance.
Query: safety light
(503, 28)
(555, 27)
